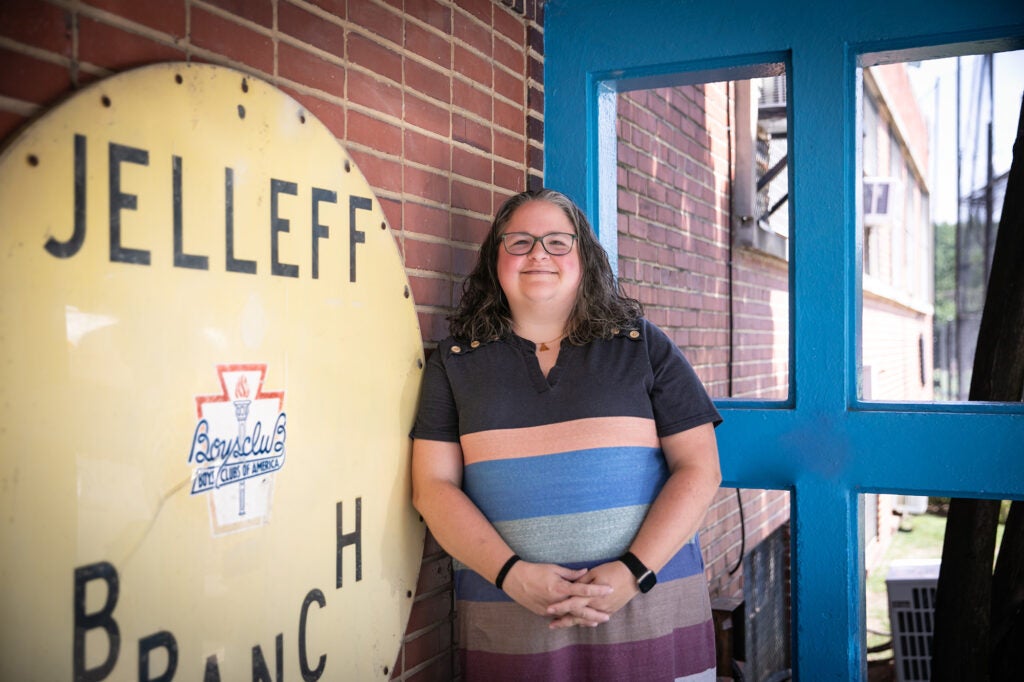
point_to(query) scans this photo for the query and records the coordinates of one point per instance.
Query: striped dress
(565, 467)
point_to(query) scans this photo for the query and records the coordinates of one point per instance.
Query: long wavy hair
(601, 306)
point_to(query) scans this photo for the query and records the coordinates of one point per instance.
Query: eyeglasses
(521, 243)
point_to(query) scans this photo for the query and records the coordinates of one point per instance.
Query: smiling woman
(566, 479)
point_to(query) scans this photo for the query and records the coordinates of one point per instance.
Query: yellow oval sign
(211, 364)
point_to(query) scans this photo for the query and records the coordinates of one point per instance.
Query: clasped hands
(571, 597)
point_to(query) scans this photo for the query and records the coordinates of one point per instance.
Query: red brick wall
(674, 175)
(673, 222)
(674, 255)
(726, 540)
(440, 103)
(760, 364)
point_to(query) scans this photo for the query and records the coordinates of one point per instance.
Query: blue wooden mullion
(823, 445)
(949, 454)
(920, 452)
(828, 594)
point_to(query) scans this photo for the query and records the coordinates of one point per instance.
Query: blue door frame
(824, 445)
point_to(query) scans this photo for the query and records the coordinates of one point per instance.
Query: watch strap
(645, 577)
(500, 580)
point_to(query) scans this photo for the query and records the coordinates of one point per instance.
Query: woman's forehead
(539, 216)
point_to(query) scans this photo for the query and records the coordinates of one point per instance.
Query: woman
(564, 455)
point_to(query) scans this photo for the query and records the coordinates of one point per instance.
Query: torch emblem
(238, 447)
(242, 414)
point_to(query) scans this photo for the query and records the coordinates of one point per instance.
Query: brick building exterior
(440, 103)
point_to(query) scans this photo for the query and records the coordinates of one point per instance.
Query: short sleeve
(437, 417)
(678, 398)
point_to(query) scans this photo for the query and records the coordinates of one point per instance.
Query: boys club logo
(237, 447)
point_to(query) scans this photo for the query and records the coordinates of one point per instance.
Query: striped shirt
(565, 468)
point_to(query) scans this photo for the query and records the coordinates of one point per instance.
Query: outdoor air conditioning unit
(911, 586)
(882, 198)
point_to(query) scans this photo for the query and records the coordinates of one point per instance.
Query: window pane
(903, 546)
(927, 239)
(746, 546)
(703, 225)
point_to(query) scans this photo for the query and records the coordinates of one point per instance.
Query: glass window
(904, 537)
(931, 194)
(745, 542)
(703, 225)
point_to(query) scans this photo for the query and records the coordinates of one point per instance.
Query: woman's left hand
(673, 518)
(569, 613)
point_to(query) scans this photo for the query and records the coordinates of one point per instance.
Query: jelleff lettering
(355, 236)
(182, 259)
(279, 225)
(119, 201)
(103, 619)
(71, 246)
(231, 263)
(320, 231)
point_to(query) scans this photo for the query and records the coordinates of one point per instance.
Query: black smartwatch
(645, 577)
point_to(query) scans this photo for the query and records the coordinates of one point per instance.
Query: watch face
(647, 581)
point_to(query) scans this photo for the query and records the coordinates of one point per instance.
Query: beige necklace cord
(543, 345)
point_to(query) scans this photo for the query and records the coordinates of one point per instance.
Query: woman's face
(538, 278)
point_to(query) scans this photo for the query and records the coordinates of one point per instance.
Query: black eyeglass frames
(521, 243)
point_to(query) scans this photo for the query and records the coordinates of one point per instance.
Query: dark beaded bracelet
(500, 580)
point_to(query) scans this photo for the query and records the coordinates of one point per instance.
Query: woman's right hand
(538, 586)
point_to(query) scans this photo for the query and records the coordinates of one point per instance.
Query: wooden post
(970, 610)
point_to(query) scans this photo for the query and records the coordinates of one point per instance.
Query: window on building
(927, 243)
